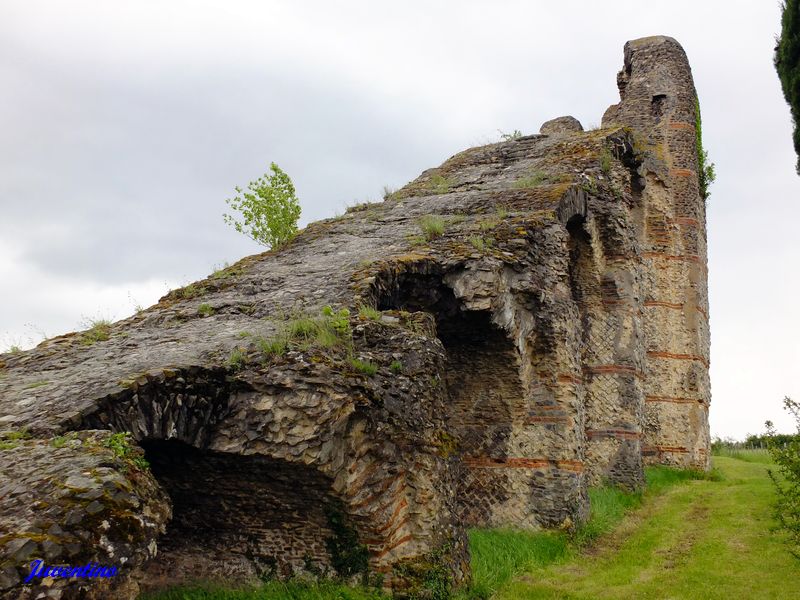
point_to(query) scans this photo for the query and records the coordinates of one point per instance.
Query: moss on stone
(446, 443)
(426, 577)
(349, 557)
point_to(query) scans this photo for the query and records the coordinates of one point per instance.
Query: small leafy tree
(269, 208)
(787, 63)
(787, 481)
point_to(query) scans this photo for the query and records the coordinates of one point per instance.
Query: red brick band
(694, 258)
(620, 434)
(673, 356)
(659, 449)
(400, 542)
(674, 305)
(391, 523)
(387, 484)
(613, 370)
(674, 400)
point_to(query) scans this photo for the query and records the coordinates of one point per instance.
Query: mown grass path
(701, 539)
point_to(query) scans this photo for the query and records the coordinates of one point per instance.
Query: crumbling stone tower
(659, 101)
(525, 320)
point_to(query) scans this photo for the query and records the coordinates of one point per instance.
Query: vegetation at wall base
(498, 555)
(700, 540)
(272, 590)
(689, 535)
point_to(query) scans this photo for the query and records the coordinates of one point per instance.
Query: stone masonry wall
(658, 100)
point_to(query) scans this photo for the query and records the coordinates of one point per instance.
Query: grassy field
(270, 591)
(704, 540)
(686, 537)
(498, 556)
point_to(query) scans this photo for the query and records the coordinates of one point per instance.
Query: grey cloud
(123, 135)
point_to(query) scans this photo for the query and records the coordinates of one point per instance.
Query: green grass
(606, 161)
(237, 359)
(303, 328)
(494, 220)
(432, 226)
(440, 184)
(226, 271)
(276, 346)
(499, 555)
(191, 291)
(695, 539)
(608, 506)
(273, 590)
(99, 331)
(120, 445)
(456, 219)
(416, 240)
(60, 441)
(488, 224)
(533, 180)
(11, 439)
(364, 366)
(365, 206)
(537, 178)
(367, 312)
(758, 455)
(481, 244)
(205, 309)
(330, 329)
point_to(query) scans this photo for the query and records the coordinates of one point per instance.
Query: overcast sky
(125, 125)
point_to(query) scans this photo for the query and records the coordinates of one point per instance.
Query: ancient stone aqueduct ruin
(555, 334)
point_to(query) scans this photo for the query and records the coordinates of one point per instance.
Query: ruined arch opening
(234, 516)
(238, 517)
(486, 398)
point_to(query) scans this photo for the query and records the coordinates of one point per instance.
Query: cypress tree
(787, 63)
